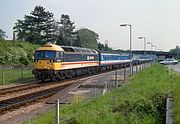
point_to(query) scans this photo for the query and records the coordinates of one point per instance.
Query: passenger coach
(110, 61)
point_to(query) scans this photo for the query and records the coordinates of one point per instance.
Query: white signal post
(144, 38)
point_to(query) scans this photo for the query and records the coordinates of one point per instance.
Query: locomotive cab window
(50, 54)
(39, 54)
(45, 54)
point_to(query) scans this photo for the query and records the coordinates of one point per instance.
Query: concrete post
(136, 67)
(3, 78)
(57, 111)
(132, 70)
(116, 78)
(125, 72)
(22, 72)
(105, 89)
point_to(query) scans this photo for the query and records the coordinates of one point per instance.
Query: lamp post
(154, 47)
(130, 39)
(151, 46)
(155, 50)
(144, 38)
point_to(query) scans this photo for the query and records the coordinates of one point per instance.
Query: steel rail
(19, 101)
(22, 87)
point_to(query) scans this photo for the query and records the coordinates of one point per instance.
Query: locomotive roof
(78, 49)
(54, 47)
(50, 46)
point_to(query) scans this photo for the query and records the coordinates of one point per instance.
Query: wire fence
(15, 74)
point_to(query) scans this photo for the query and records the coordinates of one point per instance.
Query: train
(54, 62)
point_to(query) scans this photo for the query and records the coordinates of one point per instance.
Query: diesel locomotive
(58, 62)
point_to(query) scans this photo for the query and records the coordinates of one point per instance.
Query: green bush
(16, 52)
(24, 60)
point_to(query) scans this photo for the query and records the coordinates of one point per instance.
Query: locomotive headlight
(56, 60)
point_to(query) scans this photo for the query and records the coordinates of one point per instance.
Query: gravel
(175, 67)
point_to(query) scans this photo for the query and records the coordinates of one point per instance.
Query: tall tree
(76, 41)
(67, 35)
(2, 34)
(88, 38)
(106, 45)
(38, 27)
(176, 51)
(100, 46)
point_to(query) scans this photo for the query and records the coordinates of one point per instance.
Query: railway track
(16, 102)
(18, 88)
(12, 89)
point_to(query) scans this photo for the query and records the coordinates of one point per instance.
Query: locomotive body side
(79, 60)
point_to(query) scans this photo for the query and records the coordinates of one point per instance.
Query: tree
(67, 35)
(176, 51)
(76, 39)
(38, 27)
(88, 38)
(106, 47)
(2, 34)
(100, 46)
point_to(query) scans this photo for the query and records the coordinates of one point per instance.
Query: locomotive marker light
(130, 38)
(144, 38)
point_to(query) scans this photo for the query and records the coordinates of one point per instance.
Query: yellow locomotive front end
(47, 61)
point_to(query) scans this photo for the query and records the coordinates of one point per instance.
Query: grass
(141, 101)
(15, 76)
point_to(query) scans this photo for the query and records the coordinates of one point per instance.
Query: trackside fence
(15, 74)
(170, 101)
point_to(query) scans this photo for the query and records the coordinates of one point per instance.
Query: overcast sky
(157, 20)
